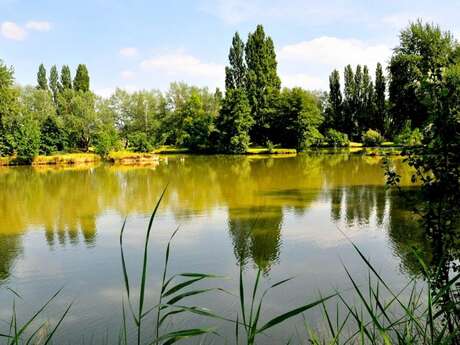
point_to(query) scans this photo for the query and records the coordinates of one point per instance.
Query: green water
(60, 228)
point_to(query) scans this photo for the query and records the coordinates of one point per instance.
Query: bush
(27, 141)
(313, 138)
(409, 137)
(372, 138)
(139, 142)
(336, 138)
(105, 142)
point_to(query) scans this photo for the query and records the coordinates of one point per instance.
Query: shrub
(27, 141)
(105, 142)
(139, 142)
(313, 138)
(372, 138)
(409, 137)
(336, 138)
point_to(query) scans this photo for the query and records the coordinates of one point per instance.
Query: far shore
(125, 157)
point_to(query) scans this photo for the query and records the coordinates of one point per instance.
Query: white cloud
(38, 25)
(180, 64)
(304, 80)
(129, 52)
(12, 31)
(127, 74)
(335, 52)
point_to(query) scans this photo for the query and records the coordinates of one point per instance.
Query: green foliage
(9, 107)
(409, 136)
(424, 50)
(26, 140)
(81, 81)
(336, 138)
(80, 118)
(378, 120)
(372, 138)
(234, 122)
(42, 82)
(139, 142)
(52, 136)
(298, 119)
(333, 113)
(235, 74)
(54, 82)
(66, 79)
(105, 141)
(263, 84)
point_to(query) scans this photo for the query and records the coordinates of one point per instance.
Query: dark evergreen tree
(42, 82)
(66, 78)
(81, 81)
(334, 107)
(235, 73)
(54, 82)
(263, 84)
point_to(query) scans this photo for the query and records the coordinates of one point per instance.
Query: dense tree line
(424, 53)
(61, 113)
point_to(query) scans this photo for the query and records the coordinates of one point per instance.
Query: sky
(141, 44)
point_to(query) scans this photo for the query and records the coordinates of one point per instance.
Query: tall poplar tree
(66, 78)
(349, 92)
(42, 82)
(81, 81)
(54, 82)
(334, 108)
(379, 99)
(235, 73)
(263, 84)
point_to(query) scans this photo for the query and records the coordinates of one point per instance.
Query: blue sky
(147, 44)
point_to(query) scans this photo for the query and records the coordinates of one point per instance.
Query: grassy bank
(126, 157)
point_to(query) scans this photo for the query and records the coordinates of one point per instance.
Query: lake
(288, 216)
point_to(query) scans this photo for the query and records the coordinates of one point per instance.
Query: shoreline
(139, 158)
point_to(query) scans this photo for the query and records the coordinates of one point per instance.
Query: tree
(366, 102)
(334, 106)
(235, 73)
(234, 122)
(42, 82)
(80, 118)
(424, 50)
(66, 79)
(263, 84)
(379, 100)
(349, 105)
(52, 136)
(298, 118)
(81, 81)
(9, 107)
(54, 82)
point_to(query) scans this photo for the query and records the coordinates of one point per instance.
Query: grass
(66, 159)
(128, 157)
(274, 151)
(377, 315)
(168, 149)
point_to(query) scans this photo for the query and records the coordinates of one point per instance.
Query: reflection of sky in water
(280, 214)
